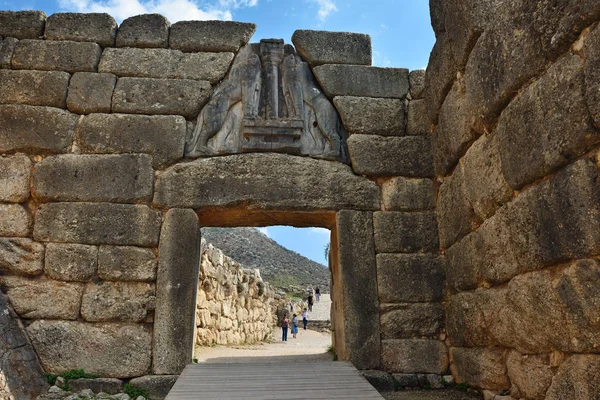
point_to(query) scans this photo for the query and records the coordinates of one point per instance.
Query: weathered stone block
(408, 278)
(414, 356)
(91, 92)
(243, 179)
(92, 27)
(157, 386)
(146, 30)
(214, 36)
(555, 107)
(15, 172)
(391, 156)
(118, 301)
(358, 274)
(25, 128)
(362, 81)
(416, 80)
(418, 118)
(35, 88)
(124, 263)
(100, 223)
(406, 380)
(113, 350)
(71, 262)
(439, 76)
(14, 220)
(21, 256)
(177, 288)
(531, 374)
(124, 178)
(43, 299)
(165, 63)
(163, 137)
(592, 75)
(48, 55)
(405, 232)
(456, 217)
(464, 262)
(578, 376)
(160, 96)
(481, 367)
(484, 183)
(371, 116)
(22, 24)
(403, 194)
(323, 47)
(7, 48)
(380, 380)
(97, 385)
(407, 321)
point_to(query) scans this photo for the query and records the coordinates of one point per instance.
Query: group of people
(285, 324)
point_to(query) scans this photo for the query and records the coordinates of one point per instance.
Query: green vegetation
(72, 374)
(134, 392)
(285, 280)
(463, 386)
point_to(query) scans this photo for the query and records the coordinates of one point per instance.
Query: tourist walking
(305, 318)
(318, 294)
(284, 328)
(294, 326)
(310, 302)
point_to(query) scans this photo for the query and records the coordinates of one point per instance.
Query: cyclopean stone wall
(513, 96)
(234, 304)
(100, 212)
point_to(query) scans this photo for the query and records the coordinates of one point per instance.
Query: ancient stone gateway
(119, 143)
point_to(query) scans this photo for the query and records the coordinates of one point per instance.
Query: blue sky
(400, 31)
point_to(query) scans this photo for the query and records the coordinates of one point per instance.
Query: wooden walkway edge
(272, 381)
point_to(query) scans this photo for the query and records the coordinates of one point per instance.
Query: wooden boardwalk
(272, 381)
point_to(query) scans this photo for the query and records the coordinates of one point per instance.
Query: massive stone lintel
(270, 102)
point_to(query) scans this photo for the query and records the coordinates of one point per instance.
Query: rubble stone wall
(512, 90)
(235, 305)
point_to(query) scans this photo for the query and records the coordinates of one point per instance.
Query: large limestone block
(456, 217)
(408, 278)
(417, 121)
(463, 262)
(157, 386)
(15, 172)
(160, 96)
(118, 301)
(358, 280)
(7, 48)
(92, 27)
(547, 125)
(416, 80)
(371, 116)
(124, 178)
(71, 262)
(592, 74)
(163, 137)
(405, 194)
(265, 182)
(43, 299)
(407, 321)
(414, 356)
(391, 156)
(22, 24)
(530, 374)
(577, 378)
(97, 385)
(48, 55)
(483, 368)
(97, 223)
(126, 263)
(36, 88)
(403, 232)
(90, 92)
(165, 63)
(439, 76)
(323, 47)
(176, 292)
(14, 220)
(362, 81)
(145, 30)
(21, 256)
(25, 128)
(216, 36)
(113, 350)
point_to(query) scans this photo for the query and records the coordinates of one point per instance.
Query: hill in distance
(281, 267)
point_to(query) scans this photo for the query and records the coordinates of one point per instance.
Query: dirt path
(321, 309)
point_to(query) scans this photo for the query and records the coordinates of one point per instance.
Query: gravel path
(321, 309)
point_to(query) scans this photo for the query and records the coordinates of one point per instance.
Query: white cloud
(264, 231)
(320, 231)
(326, 8)
(174, 10)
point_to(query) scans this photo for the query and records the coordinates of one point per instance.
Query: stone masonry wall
(234, 305)
(513, 95)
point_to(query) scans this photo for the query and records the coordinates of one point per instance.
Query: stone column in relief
(358, 272)
(176, 290)
(271, 51)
